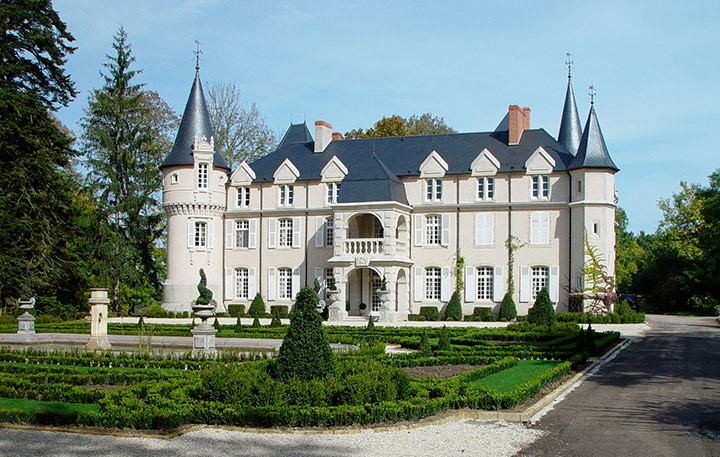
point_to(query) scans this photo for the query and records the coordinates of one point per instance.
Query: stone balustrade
(364, 246)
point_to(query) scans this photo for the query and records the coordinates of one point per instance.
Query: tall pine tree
(37, 187)
(126, 132)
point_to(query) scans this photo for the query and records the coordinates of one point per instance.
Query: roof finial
(569, 64)
(197, 53)
(592, 93)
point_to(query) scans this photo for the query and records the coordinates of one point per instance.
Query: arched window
(433, 283)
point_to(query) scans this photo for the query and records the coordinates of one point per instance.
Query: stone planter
(336, 311)
(387, 312)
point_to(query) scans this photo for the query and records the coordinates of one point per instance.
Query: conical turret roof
(195, 123)
(570, 133)
(592, 152)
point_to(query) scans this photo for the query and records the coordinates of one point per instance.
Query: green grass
(46, 406)
(525, 370)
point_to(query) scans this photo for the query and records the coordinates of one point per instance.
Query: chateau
(352, 212)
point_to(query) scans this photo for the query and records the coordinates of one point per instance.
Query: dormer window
(333, 188)
(202, 175)
(286, 195)
(540, 187)
(433, 190)
(486, 188)
(243, 197)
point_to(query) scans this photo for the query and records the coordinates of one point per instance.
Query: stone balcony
(364, 246)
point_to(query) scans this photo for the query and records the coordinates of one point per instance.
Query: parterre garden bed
(491, 369)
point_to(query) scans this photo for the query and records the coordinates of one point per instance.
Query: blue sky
(654, 65)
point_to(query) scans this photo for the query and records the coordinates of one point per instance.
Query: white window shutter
(418, 283)
(319, 232)
(554, 283)
(271, 286)
(478, 229)
(445, 239)
(228, 234)
(190, 234)
(253, 232)
(498, 284)
(229, 283)
(445, 284)
(296, 234)
(252, 284)
(210, 234)
(489, 234)
(319, 279)
(545, 228)
(272, 236)
(534, 228)
(295, 282)
(418, 241)
(524, 284)
(470, 285)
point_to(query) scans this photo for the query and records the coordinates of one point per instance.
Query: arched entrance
(365, 225)
(402, 292)
(362, 285)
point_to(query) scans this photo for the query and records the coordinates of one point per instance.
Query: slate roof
(592, 152)
(195, 122)
(570, 132)
(375, 164)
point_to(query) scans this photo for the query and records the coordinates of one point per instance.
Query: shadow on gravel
(23, 443)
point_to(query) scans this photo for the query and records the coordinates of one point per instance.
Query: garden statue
(26, 321)
(204, 308)
(205, 293)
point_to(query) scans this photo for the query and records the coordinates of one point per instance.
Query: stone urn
(336, 310)
(386, 314)
(204, 333)
(26, 321)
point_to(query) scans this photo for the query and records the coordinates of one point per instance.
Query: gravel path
(465, 437)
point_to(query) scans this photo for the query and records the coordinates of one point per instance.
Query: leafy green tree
(628, 253)
(600, 286)
(38, 191)
(395, 125)
(126, 132)
(453, 312)
(542, 311)
(305, 352)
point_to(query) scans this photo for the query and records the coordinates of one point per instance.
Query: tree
(600, 286)
(257, 306)
(126, 132)
(425, 349)
(453, 312)
(395, 125)
(508, 310)
(444, 340)
(628, 253)
(38, 191)
(305, 352)
(240, 132)
(542, 311)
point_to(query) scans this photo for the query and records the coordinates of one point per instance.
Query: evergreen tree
(444, 340)
(370, 324)
(257, 306)
(508, 311)
(453, 312)
(256, 322)
(425, 349)
(38, 191)
(275, 321)
(305, 352)
(542, 311)
(238, 325)
(126, 132)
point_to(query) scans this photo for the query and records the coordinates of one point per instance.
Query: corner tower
(193, 184)
(592, 174)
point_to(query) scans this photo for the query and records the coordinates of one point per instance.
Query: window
(329, 231)
(539, 228)
(432, 229)
(596, 229)
(241, 283)
(332, 192)
(243, 197)
(286, 232)
(539, 279)
(579, 186)
(174, 178)
(329, 278)
(378, 231)
(200, 234)
(286, 195)
(486, 188)
(432, 283)
(242, 234)
(541, 186)
(285, 283)
(202, 176)
(433, 190)
(484, 283)
(375, 297)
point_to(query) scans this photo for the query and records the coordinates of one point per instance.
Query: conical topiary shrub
(444, 340)
(305, 352)
(542, 311)
(256, 322)
(370, 324)
(453, 312)
(508, 311)
(425, 349)
(257, 307)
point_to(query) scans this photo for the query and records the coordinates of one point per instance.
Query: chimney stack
(519, 120)
(323, 135)
(336, 136)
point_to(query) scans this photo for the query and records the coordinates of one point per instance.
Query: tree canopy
(395, 125)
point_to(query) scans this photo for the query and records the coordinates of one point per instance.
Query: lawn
(525, 370)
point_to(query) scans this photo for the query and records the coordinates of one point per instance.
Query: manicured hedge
(613, 318)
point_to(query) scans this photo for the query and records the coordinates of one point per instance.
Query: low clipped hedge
(430, 313)
(613, 318)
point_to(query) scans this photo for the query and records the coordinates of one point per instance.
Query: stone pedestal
(26, 321)
(336, 312)
(204, 333)
(98, 321)
(387, 314)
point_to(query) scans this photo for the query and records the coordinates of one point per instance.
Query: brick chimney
(336, 136)
(323, 135)
(519, 120)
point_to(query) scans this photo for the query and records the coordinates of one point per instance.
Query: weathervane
(197, 53)
(569, 63)
(592, 93)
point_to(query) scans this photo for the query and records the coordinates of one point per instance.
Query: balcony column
(340, 235)
(389, 233)
(387, 298)
(336, 310)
